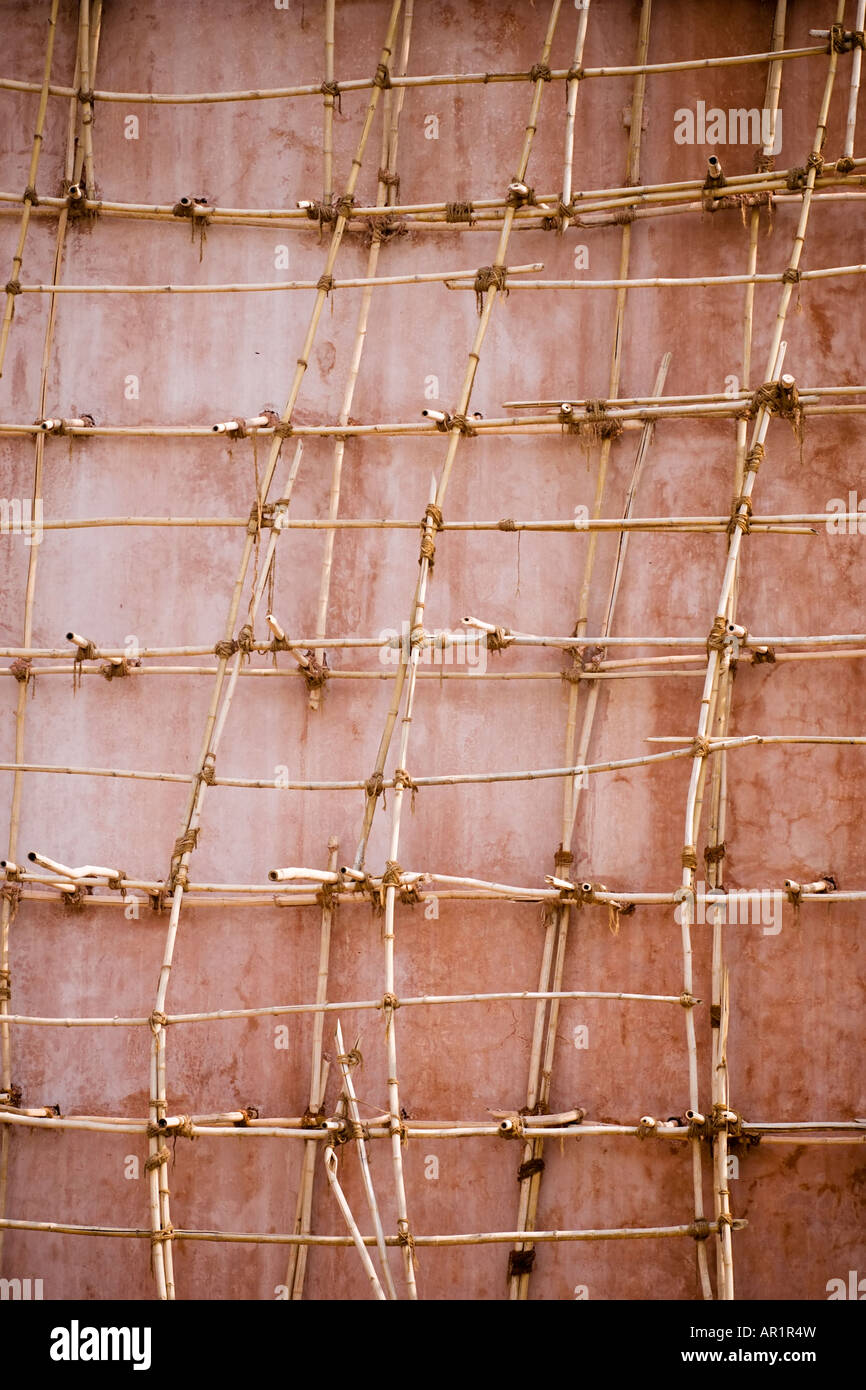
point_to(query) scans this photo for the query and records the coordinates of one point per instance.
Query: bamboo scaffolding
(346, 1063)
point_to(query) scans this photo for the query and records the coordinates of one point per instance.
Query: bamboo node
(540, 72)
(13, 287)
(332, 89)
(459, 212)
(382, 76)
(520, 1262)
(489, 277)
(526, 1170)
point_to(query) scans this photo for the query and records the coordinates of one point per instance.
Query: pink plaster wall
(795, 997)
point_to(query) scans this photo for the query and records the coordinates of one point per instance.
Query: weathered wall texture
(793, 811)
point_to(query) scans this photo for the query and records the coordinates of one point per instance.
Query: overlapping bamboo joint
(598, 425)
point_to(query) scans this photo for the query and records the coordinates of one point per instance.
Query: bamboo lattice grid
(332, 1137)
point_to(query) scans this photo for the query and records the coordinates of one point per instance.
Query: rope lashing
(375, 785)
(225, 648)
(573, 75)
(741, 515)
(714, 854)
(162, 1156)
(111, 671)
(389, 179)
(11, 891)
(499, 639)
(332, 89)
(20, 668)
(700, 1229)
(779, 399)
(406, 1239)
(563, 858)
(768, 655)
(845, 165)
(700, 749)
(246, 639)
(404, 782)
(390, 1003)
(796, 178)
(462, 423)
(688, 1001)
(540, 72)
(382, 76)
(507, 524)
(326, 283)
(489, 277)
(531, 1166)
(432, 519)
(316, 673)
(157, 1020)
(13, 287)
(843, 40)
(717, 634)
(689, 857)
(30, 196)
(283, 428)
(208, 771)
(753, 458)
(458, 212)
(393, 875)
(520, 1262)
(791, 276)
(185, 843)
(381, 229)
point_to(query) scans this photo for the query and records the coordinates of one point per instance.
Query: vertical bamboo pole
(856, 63)
(571, 112)
(331, 1163)
(318, 1080)
(774, 365)
(330, 100)
(30, 192)
(541, 1056)
(720, 1084)
(86, 98)
(71, 169)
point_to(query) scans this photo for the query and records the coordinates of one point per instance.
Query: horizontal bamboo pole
(672, 281)
(711, 524)
(424, 80)
(278, 1010)
(357, 282)
(479, 1238)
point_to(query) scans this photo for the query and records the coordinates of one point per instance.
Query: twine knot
(540, 72)
(458, 212)
(489, 277)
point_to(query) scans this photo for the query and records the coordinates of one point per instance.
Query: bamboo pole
(328, 129)
(427, 80)
(319, 1069)
(30, 193)
(346, 1063)
(856, 63)
(454, 436)
(384, 189)
(72, 168)
(331, 1163)
(356, 282)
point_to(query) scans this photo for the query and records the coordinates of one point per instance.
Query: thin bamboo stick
(356, 282)
(328, 129)
(661, 282)
(331, 1162)
(856, 63)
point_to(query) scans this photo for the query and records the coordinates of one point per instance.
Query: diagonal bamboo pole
(347, 1061)
(13, 285)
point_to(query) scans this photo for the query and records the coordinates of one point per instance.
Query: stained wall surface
(793, 810)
